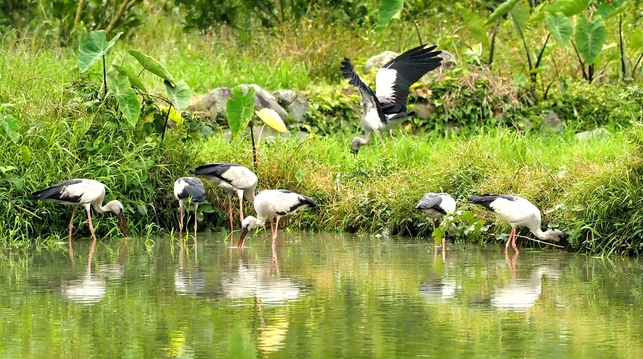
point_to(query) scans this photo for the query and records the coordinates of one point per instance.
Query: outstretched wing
(394, 79)
(368, 96)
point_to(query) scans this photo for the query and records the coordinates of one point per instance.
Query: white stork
(271, 204)
(393, 83)
(232, 179)
(86, 192)
(188, 189)
(518, 212)
(437, 205)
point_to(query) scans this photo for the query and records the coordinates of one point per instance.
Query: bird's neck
(546, 235)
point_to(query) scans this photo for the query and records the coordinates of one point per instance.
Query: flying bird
(88, 193)
(271, 204)
(233, 179)
(393, 83)
(518, 212)
(188, 189)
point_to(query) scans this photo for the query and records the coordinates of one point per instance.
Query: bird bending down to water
(86, 192)
(393, 83)
(437, 205)
(271, 204)
(188, 189)
(232, 179)
(518, 212)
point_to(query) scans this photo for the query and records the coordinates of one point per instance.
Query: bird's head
(355, 145)
(555, 235)
(248, 224)
(116, 207)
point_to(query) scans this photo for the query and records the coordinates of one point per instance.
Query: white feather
(384, 82)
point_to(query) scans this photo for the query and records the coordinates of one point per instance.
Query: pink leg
(71, 227)
(444, 248)
(513, 230)
(274, 236)
(241, 207)
(180, 222)
(91, 226)
(231, 219)
(196, 205)
(513, 243)
(272, 229)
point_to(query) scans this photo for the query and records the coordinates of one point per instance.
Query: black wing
(57, 192)
(431, 201)
(194, 189)
(485, 200)
(409, 67)
(367, 94)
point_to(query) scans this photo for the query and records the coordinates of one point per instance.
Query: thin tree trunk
(622, 46)
(116, 17)
(79, 11)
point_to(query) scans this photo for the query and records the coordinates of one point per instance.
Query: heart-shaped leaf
(502, 10)
(239, 109)
(25, 153)
(93, 47)
(133, 78)
(590, 37)
(180, 94)
(125, 96)
(560, 27)
(271, 118)
(389, 10)
(10, 126)
(152, 65)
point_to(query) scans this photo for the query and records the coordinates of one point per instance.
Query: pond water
(315, 296)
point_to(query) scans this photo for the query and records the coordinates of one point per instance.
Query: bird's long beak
(122, 224)
(244, 233)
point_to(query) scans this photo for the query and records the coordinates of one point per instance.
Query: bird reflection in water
(521, 294)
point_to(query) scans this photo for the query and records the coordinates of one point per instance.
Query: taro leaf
(25, 153)
(271, 118)
(10, 126)
(560, 27)
(520, 17)
(389, 10)
(590, 37)
(179, 94)
(125, 96)
(174, 114)
(502, 10)
(573, 7)
(152, 65)
(612, 8)
(475, 24)
(133, 78)
(93, 47)
(439, 235)
(239, 109)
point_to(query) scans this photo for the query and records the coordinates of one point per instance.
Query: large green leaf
(131, 75)
(568, 7)
(475, 24)
(10, 126)
(180, 95)
(127, 100)
(93, 47)
(152, 65)
(560, 27)
(389, 10)
(612, 8)
(520, 17)
(240, 109)
(590, 37)
(502, 10)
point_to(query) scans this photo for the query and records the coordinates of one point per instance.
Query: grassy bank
(590, 189)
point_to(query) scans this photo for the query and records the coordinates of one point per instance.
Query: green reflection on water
(316, 296)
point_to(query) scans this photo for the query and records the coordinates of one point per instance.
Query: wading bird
(437, 205)
(86, 192)
(518, 212)
(393, 83)
(232, 179)
(188, 189)
(271, 204)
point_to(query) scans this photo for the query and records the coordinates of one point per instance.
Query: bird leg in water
(272, 230)
(512, 241)
(196, 205)
(231, 219)
(180, 222)
(71, 225)
(91, 226)
(241, 208)
(274, 236)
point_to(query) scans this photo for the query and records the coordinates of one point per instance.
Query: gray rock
(285, 97)
(551, 122)
(378, 61)
(448, 59)
(215, 101)
(595, 134)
